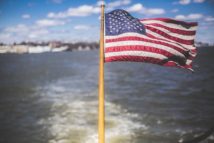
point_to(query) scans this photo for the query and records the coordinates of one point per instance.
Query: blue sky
(75, 20)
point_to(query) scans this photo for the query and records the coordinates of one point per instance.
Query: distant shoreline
(30, 47)
(56, 46)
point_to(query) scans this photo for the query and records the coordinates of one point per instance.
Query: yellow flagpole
(101, 116)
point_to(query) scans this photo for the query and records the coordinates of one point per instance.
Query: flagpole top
(101, 3)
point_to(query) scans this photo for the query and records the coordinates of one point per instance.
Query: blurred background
(49, 76)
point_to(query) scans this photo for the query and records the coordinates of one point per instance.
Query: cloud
(154, 11)
(81, 27)
(143, 10)
(209, 19)
(126, 2)
(49, 22)
(198, 1)
(100, 2)
(37, 33)
(81, 11)
(175, 10)
(135, 8)
(194, 16)
(180, 17)
(184, 2)
(22, 32)
(117, 3)
(87, 10)
(20, 28)
(26, 16)
(4, 37)
(40, 29)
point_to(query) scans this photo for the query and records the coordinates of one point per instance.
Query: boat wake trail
(73, 118)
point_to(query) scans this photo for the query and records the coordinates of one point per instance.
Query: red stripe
(131, 38)
(173, 21)
(133, 59)
(138, 48)
(170, 56)
(145, 59)
(188, 67)
(182, 41)
(194, 51)
(173, 30)
(151, 36)
(172, 63)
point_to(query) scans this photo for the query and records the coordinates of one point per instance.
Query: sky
(76, 20)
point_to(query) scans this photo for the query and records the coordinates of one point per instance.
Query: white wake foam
(75, 120)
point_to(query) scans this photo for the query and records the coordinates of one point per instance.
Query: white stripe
(136, 53)
(140, 43)
(190, 47)
(180, 65)
(188, 62)
(170, 25)
(145, 37)
(181, 36)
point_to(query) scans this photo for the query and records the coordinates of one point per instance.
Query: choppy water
(52, 98)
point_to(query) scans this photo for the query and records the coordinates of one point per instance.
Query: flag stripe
(146, 52)
(178, 35)
(136, 53)
(144, 38)
(176, 58)
(131, 38)
(139, 48)
(168, 20)
(167, 36)
(143, 43)
(133, 59)
(160, 37)
(172, 63)
(170, 25)
(173, 30)
(153, 60)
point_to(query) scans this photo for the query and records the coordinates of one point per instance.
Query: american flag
(162, 41)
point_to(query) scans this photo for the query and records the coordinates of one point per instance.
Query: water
(52, 98)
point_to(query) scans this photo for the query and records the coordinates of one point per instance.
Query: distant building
(39, 49)
(80, 48)
(55, 44)
(4, 49)
(201, 44)
(87, 48)
(60, 49)
(21, 49)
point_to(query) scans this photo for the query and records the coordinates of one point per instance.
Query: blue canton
(120, 21)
